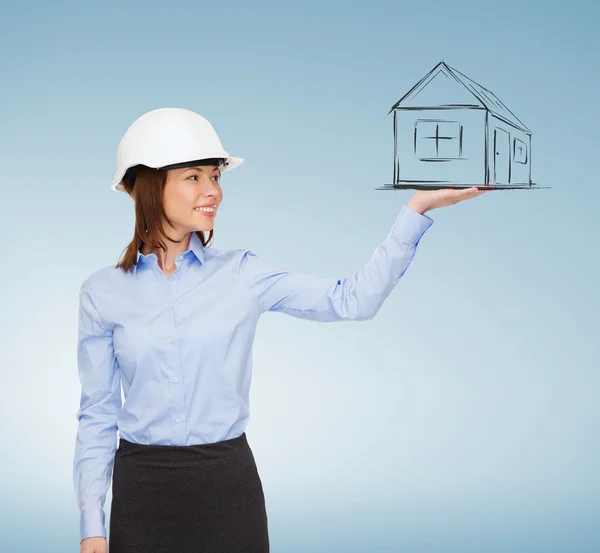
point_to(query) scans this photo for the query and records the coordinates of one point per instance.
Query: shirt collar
(195, 246)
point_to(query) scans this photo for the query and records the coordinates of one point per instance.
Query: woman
(172, 324)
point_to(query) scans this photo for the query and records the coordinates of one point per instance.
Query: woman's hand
(425, 200)
(93, 545)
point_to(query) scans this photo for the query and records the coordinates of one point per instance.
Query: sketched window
(519, 151)
(437, 139)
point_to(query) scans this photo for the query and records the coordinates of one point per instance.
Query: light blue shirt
(180, 346)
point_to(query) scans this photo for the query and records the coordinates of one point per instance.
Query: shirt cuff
(410, 225)
(91, 523)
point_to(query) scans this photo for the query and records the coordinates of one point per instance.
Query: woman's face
(188, 188)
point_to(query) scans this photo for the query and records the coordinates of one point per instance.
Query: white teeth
(208, 209)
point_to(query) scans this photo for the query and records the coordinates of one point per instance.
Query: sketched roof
(486, 97)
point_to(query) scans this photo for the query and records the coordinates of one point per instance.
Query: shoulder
(228, 256)
(251, 266)
(233, 262)
(241, 257)
(105, 278)
(110, 272)
(218, 254)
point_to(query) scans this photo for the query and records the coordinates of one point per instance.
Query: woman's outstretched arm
(355, 298)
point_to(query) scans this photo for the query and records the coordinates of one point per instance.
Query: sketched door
(501, 156)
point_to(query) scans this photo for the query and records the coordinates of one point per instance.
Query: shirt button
(170, 340)
(177, 419)
(174, 379)
(166, 306)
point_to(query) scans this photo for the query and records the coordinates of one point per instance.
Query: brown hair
(147, 195)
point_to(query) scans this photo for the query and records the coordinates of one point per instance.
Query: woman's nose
(212, 186)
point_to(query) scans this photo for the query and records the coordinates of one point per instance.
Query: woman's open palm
(432, 199)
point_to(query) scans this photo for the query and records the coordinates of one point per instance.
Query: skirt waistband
(213, 450)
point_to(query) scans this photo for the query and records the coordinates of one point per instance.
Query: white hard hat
(169, 137)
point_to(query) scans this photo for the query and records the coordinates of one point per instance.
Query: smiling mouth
(206, 213)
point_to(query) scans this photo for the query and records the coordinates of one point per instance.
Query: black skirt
(205, 498)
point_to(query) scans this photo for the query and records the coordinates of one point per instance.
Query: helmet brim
(117, 183)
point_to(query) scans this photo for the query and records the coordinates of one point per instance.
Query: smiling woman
(171, 197)
(170, 162)
(172, 456)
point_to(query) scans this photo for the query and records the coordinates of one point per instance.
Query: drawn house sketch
(449, 130)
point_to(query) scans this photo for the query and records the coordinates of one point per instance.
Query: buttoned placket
(173, 355)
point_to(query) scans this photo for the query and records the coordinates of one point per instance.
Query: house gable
(439, 89)
(450, 88)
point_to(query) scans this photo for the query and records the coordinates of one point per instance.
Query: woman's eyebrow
(200, 169)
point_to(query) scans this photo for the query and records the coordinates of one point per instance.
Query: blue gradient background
(464, 417)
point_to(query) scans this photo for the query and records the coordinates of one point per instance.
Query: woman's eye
(196, 176)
